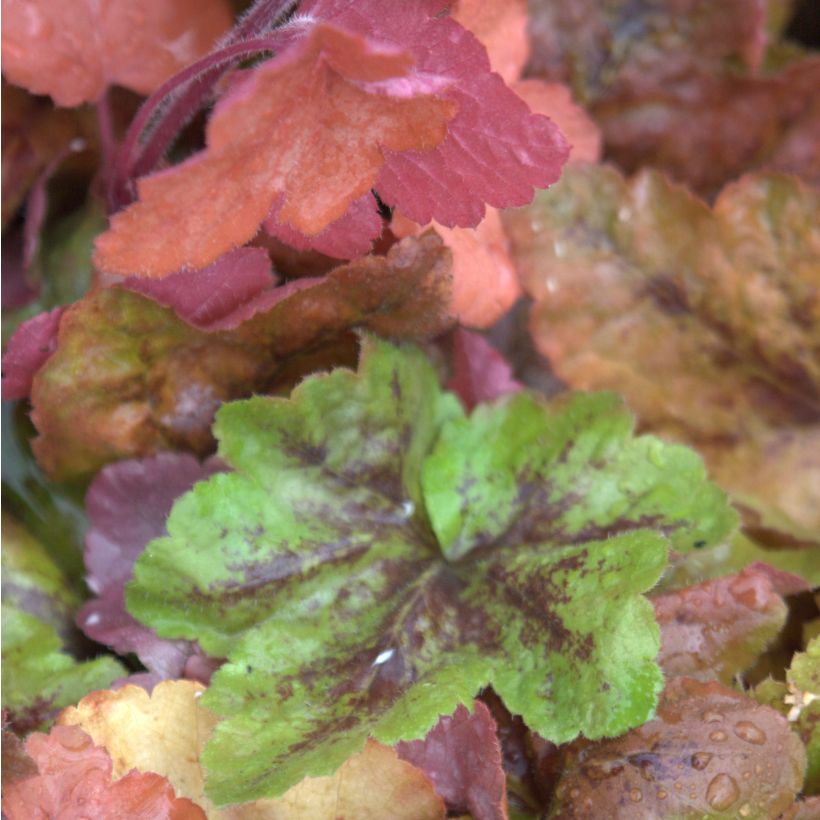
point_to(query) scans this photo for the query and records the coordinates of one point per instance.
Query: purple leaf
(127, 504)
(462, 756)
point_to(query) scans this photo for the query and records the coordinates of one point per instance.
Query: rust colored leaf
(707, 320)
(710, 752)
(264, 148)
(129, 378)
(164, 732)
(74, 782)
(462, 756)
(717, 629)
(73, 51)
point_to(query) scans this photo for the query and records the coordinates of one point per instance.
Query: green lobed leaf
(39, 678)
(376, 558)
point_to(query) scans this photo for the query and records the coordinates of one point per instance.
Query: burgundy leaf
(28, 349)
(480, 372)
(462, 756)
(127, 504)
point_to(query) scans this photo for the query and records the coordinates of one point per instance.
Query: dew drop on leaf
(722, 792)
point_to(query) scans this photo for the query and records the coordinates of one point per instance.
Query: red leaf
(219, 297)
(74, 783)
(73, 50)
(307, 131)
(480, 372)
(127, 505)
(495, 152)
(462, 756)
(28, 349)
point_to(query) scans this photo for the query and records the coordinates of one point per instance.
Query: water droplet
(717, 736)
(712, 717)
(635, 795)
(662, 795)
(700, 760)
(722, 792)
(574, 793)
(678, 787)
(747, 775)
(407, 509)
(383, 657)
(747, 731)
(745, 810)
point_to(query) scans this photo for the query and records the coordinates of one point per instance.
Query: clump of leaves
(380, 557)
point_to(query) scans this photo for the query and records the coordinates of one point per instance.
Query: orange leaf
(264, 148)
(501, 25)
(73, 782)
(73, 49)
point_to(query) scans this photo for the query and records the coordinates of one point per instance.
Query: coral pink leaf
(73, 50)
(480, 373)
(462, 756)
(74, 782)
(311, 127)
(28, 349)
(127, 504)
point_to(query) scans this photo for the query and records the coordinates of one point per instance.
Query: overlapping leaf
(717, 629)
(711, 752)
(165, 733)
(73, 781)
(706, 320)
(368, 95)
(129, 378)
(73, 51)
(376, 557)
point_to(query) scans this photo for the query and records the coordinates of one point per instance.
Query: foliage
(248, 248)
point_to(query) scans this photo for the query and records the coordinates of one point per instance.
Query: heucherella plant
(376, 557)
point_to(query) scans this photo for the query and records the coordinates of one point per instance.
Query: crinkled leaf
(705, 319)
(480, 373)
(462, 756)
(74, 782)
(717, 629)
(710, 753)
(39, 678)
(127, 505)
(799, 700)
(313, 565)
(73, 51)
(165, 733)
(676, 85)
(312, 126)
(129, 378)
